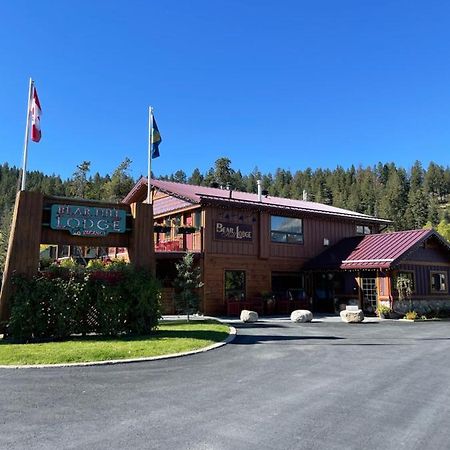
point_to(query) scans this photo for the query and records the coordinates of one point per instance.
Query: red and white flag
(35, 111)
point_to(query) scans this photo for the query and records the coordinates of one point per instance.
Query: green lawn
(171, 337)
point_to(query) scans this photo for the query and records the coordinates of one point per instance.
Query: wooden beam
(23, 248)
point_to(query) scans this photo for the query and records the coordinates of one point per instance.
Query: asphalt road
(277, 386)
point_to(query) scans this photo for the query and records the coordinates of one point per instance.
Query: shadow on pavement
(260, 325)
(255, 339)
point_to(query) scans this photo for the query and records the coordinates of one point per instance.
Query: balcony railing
(187, 242)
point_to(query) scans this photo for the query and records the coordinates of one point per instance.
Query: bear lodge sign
(88, 221)
(240, 232)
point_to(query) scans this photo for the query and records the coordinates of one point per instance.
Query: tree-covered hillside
(411, 197)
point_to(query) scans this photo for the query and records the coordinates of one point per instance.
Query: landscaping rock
(301, 316)
(352, 316)
(249, 316)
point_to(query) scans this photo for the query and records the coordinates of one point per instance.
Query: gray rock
(301, 316)
(249, 316)
(352, 316)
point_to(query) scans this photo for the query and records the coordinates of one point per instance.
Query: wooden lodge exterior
(252, 249)
(365, 270)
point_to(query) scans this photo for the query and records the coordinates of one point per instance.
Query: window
(439, 282)
(286, 229)
(363, 229)
(234, 285)
(407, 276)
(197, 219)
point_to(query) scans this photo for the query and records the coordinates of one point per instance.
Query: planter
(186, 230)
(161, 228)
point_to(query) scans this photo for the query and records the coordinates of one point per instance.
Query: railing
(168, 246)
(187, 242)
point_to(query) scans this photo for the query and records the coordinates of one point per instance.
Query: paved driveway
(325, 385)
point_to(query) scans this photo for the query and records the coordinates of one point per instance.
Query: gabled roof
(373, 251)
(192, 195)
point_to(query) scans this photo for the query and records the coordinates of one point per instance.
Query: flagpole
(27, 132)
(150, 143)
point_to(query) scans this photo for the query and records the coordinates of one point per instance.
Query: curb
(229, 339)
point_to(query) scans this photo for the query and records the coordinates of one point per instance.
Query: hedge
(56, 305)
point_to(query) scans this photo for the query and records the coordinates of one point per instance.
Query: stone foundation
(435, 306)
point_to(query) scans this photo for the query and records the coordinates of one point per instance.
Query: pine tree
(196, 178)
(444, 229)
(186, 284)
(393, 201)
(121, 182)
(78, 184)
(416, 214)
(223, 173)
(179, 177)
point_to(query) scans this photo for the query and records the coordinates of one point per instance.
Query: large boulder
(249, 316)
(301, 316)
(349, 316)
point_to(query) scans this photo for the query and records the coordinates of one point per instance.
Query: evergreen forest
(413, 197)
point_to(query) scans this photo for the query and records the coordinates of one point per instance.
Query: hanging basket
(161, 228)
(186, 230)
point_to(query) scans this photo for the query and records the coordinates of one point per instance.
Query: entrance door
(323, 293)
(369, 291)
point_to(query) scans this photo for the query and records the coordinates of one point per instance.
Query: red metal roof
(381, 250)
(193, 194)
(374, 251)
(167, 204)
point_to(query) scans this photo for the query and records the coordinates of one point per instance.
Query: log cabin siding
(428, 253)
(314, 232)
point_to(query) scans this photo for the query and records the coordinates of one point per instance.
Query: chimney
(305, 195)
(258, 182)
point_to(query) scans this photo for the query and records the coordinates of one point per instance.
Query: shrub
(95, 264)
(69, 263)
(383, 310)
(411, 315)
(56, 305)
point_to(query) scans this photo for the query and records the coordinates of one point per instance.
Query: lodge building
(274, 255)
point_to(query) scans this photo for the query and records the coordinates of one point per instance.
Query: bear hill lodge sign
(88, 221)
(233, 231)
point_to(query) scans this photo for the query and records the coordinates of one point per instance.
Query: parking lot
(278, 385)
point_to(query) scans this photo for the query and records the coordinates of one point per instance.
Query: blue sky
(289, 84)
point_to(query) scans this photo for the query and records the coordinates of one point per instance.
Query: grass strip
(169, 338)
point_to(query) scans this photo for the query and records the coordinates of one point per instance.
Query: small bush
(383, 310)
(95, 264)
(69, 264)
(411, 315)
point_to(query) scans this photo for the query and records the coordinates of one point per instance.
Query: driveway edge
(229, 339)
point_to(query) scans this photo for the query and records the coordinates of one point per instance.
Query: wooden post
(141, 248)
(360, 292)
(24, 245)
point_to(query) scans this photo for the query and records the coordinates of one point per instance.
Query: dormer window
(363, 229)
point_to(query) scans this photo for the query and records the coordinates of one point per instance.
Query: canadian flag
(35, 111)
